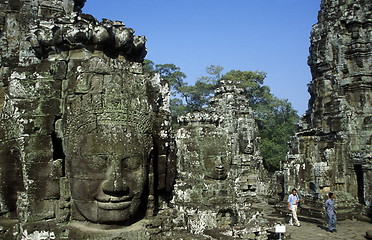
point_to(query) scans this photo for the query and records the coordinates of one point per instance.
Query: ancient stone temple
(332, 148)
(219, 188)
(84, 133)
(86, 150)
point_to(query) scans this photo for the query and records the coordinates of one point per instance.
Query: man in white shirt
(293, 201)
(331, 213)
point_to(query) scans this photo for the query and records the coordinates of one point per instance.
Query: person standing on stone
(331, 212)
(293, 202)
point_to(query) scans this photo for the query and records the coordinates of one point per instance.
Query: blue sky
(266, 35)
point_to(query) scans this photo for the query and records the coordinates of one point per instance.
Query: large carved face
(215, 158)
(108, 170)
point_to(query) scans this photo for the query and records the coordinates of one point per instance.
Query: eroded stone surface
(85, 150)
(84, 134)
(220, 186)
(332, 148)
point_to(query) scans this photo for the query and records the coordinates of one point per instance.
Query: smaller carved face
(245, 145)
(216, 160)
(109, 174)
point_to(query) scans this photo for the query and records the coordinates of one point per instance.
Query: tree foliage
(175, 78)
(198, 95)
(168, 72)
(276, 124)
(275, 117)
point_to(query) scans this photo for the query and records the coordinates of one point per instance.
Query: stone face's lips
(114, 203)
(219, 172)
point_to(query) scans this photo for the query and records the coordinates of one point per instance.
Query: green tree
(276, 124)
(148, 66)
(275, 117)
(175, 78)
(198, 95)
(168, 72)
(252, 83)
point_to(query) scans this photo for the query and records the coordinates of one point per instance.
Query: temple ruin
(84, 132)
(222, 186)
(87, 150)
(332, 148)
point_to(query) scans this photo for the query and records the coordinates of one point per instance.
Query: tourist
(331, 213)
(293, 202)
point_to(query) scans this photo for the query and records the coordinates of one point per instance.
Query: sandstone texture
(332, 148)
(84, 133)
(87, 150)
(220, 185)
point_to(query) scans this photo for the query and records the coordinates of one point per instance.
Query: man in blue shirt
(293, 201)
(331, 213)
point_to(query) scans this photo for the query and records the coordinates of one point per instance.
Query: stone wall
(332, 148)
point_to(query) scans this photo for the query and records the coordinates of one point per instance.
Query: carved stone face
(216, 161)
(108, 172)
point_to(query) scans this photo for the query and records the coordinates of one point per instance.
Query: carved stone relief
(332, 148)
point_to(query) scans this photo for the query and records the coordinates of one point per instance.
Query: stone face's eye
(97, 162)
(132, 162)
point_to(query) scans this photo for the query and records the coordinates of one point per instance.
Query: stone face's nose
(218, 163)
(219, 169)
(115, 183)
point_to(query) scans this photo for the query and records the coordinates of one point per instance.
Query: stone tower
(332, 148)
(84, 133)
(219, 188)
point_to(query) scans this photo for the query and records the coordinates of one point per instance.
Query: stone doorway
(360, 182)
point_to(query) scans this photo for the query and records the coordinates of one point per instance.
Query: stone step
(311, 219)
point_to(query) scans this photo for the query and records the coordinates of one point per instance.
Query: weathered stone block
(51, 107)
(39, 156)
(44, 170)
(369, 234)
(45, 124)
(41, 143)
(46, 189)
(41, 210)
